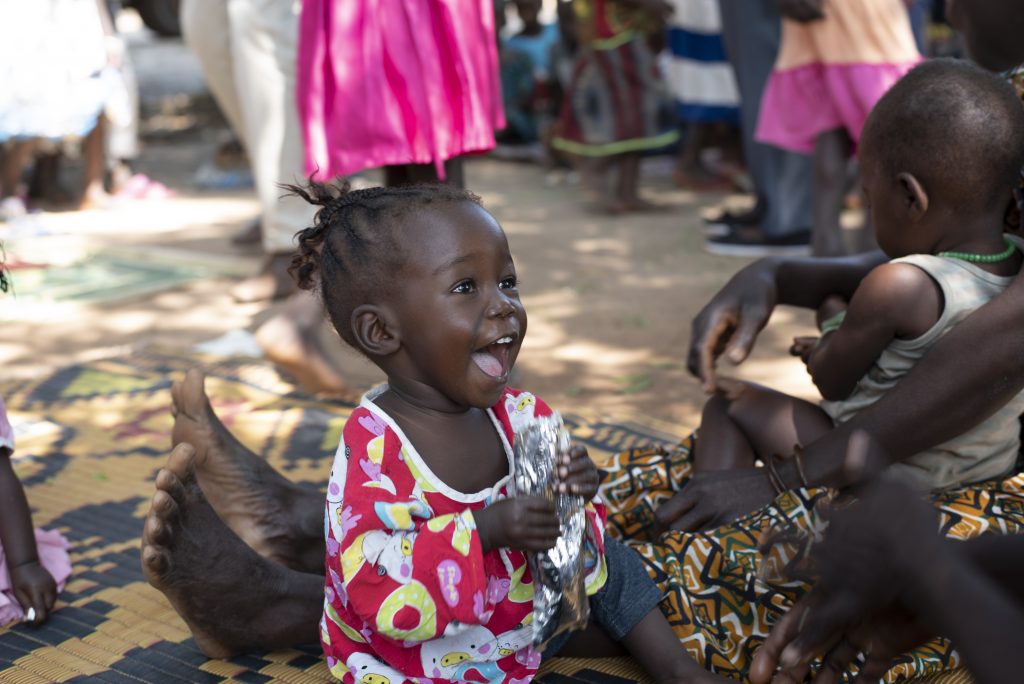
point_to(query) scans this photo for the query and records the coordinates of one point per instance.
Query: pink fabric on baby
(51, 545)
(53, 554)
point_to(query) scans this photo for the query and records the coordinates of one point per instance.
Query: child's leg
(626, 609)
(94, 158)
(771, 421)
(831, 151)
(721, 444)
(16, 157)
(627, 197)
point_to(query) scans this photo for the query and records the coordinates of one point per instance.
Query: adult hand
(525, 523)
(35, 589)
(801, 10)
(577, 473)
(714, 498)
(816, 626)
(730, 322)
(867, 566)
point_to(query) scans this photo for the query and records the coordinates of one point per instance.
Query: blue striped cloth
(697, 71)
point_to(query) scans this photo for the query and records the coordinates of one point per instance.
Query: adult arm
(969, 374)
(731, 321)
(888, 583)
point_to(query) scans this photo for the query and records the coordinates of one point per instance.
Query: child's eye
(509, 283)
(464, 287)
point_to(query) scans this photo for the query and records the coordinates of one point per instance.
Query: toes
(155, 560)
(175, 398)
(195, 384)
(182, 461)
(156, 530)
(167, 481)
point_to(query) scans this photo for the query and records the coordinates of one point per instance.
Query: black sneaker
(726, 221)
(741, 243)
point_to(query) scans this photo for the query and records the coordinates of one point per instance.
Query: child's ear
(915, 199)
(373, 331)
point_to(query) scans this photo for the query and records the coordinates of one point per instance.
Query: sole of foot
(277, 518)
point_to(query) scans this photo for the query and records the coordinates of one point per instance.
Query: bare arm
(33, 586)
(893, 301)
(731, 321)
(981, 358)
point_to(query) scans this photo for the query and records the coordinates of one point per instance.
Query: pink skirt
(53, 554)
(801, 103)
(384, 82)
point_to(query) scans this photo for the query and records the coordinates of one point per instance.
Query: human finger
(872, 669)
(747, 328)
(37, 608)
(766, 660)
(694, 520)
(836, 661)
(669, 511)
(709, 340)
(821, 631)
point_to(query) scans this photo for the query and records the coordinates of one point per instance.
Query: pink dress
(384, 82)
(830, 73)
(51, 545)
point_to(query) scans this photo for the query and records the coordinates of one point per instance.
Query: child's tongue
(488, 364)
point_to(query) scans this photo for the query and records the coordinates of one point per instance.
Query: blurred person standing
(780, 221)
(57, 70)
(836, 61)
(616, 107)
(407, 86)
(247, 51)
(703, 86)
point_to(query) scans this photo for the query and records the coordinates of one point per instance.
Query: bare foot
(272, 282)
(291, 340)
(232, 600)
(94, 197)
(279, 519)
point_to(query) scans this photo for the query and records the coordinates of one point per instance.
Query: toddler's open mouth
(494, 358)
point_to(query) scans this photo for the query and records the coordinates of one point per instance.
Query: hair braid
(348, 251)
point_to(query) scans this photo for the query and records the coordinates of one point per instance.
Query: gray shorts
(627, 596)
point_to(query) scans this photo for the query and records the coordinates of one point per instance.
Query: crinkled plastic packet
(559, 592)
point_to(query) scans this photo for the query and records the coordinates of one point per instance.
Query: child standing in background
(836, 60)
(616, 107)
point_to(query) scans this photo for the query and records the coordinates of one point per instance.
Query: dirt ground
(610, 299)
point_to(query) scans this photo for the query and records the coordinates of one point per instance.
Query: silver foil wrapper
(559, 591)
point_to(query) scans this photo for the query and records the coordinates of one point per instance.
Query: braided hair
(351, 252)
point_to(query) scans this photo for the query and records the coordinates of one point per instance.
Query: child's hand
(577, 474)
(525, 523)
(35, 589)
(833, 305)
(803, 347)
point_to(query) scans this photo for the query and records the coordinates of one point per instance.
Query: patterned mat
(90, 441)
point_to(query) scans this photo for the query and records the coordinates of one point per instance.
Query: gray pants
(782, 179)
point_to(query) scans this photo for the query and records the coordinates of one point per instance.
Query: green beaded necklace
(984, 258)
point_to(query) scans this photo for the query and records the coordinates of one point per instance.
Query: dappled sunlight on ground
(610, 299)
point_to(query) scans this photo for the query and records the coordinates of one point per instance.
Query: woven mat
(90, 440)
